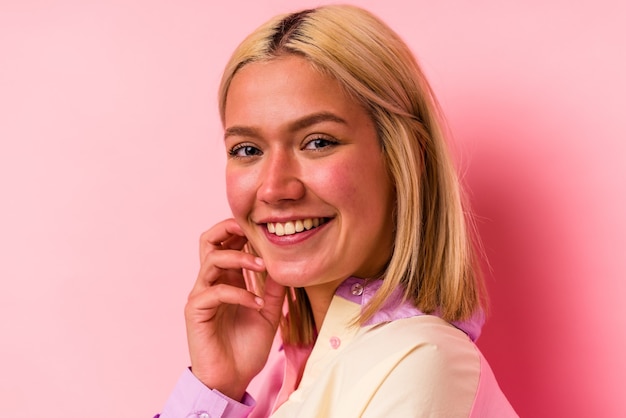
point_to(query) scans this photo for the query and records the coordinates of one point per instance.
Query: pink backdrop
(111, 166)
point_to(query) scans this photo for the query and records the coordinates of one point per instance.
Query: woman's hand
(230, 329)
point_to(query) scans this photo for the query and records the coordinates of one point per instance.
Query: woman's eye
(319, 143)
(242, 151)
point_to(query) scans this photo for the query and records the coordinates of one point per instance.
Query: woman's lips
(294, 227)
(293, 232)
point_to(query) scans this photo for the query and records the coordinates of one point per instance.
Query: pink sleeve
(192, 399)
(279, 378)
(490, 401)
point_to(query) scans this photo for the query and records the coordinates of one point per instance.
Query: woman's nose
(280, 180)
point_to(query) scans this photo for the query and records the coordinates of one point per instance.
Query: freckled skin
(285, 175)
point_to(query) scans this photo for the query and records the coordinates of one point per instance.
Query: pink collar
(361, 291)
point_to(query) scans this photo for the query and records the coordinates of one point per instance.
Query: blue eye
(244, 150)
(319, 143)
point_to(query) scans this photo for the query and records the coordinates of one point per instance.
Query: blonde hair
(433, 257)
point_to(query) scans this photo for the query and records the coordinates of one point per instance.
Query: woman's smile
(292, 234)
(306, 178)
(294, 227)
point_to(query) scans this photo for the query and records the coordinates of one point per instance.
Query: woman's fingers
(235, 242)
(224, 235)
(273, 300)
(201, 303)
(221, 265)
(221, 278)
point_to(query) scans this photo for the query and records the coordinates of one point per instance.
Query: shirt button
(357, 289)
(204, 415)
(335, 342)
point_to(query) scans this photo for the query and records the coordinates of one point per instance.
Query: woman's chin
(291, 274)
(302, 276)
(291, 278)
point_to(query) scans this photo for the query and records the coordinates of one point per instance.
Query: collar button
(357, 289)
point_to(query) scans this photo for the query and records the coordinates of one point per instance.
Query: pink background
(111, 165)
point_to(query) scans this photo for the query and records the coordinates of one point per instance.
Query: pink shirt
(282, 374)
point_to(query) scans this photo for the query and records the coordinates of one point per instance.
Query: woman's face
(305, 175)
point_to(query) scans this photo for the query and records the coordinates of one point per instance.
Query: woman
(347, 207)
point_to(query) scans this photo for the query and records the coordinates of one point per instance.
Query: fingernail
(258, 301)
(259, 261)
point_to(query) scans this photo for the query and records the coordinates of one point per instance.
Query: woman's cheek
(240, 192)
(331, 178)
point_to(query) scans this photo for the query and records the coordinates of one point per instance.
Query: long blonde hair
(433, 257)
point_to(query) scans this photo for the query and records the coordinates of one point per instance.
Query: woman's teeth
(293, 227)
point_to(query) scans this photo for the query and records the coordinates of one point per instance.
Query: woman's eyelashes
(248, 150)
(319, 143)
(244, 151)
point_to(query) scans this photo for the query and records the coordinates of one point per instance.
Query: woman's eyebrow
(315, 118)
(241, 131)
(302, 123)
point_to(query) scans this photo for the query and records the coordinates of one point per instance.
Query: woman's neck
(320, 297)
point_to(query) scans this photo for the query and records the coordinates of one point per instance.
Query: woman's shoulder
(424, 346)
(423, 332)
(434, 366)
